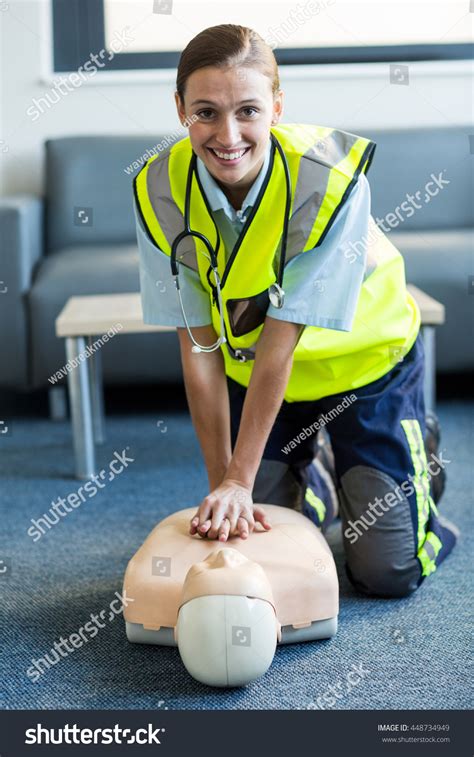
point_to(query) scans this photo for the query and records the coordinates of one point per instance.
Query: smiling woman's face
(230, 113)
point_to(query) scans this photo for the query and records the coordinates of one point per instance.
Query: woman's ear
(180, 108)
(277, 107)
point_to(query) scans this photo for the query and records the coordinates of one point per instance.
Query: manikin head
(227, 629)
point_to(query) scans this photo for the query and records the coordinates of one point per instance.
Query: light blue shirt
(321, 285)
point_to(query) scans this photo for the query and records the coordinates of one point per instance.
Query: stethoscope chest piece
(276, 295)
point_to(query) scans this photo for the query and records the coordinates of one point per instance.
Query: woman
(304, 315)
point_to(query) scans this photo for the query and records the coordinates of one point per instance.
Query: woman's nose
(228, 134)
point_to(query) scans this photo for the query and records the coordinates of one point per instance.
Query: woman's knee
(379, 539)
(384, 581)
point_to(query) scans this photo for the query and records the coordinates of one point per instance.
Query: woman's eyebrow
(210, 102)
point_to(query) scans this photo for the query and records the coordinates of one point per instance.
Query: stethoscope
(276, 292)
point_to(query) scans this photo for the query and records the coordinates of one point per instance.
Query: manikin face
(219, 593)
(230, 112)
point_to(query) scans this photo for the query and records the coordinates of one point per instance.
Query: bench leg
(428, 334)
(57, 402)
(81, 408)
(97, 393)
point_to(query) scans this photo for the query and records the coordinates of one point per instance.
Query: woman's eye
(207, 113)
(250, 108)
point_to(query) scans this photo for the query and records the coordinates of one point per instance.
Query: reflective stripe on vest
(324, 165)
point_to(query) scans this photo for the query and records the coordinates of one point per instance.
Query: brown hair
(225, 46)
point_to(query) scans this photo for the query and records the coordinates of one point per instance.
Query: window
(149, 34)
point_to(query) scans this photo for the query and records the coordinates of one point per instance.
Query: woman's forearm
(208, 400)
(264, 396)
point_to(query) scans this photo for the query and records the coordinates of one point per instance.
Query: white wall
(355, 98)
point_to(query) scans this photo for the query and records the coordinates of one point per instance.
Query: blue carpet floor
(414, 651)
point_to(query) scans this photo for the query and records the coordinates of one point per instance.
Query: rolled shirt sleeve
(322, 285)
(160, 303)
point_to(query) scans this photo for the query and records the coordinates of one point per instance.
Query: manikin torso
(294, 555)
(284, 578)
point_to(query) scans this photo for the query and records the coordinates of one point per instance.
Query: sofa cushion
(405, 161)
(95, 174)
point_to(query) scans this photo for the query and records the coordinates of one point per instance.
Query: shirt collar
(216, 197)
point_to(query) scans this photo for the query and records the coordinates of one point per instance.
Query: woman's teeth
(229, 155)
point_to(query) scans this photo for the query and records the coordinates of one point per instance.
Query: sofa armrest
(21, 235)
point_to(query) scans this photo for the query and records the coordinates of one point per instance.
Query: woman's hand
(228, 511)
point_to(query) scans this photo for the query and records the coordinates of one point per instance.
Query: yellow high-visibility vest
(324, 165)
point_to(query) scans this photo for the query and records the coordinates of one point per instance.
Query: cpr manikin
(227, 605)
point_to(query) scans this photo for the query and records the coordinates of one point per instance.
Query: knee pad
(379, 534)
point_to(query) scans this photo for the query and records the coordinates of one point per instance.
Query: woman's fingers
(217, 517)
(193, 524)
(233, 513)
(261, 517)
(204, 528)
(248, 515)
(224, 523)
(243, 527)
(200, 522)
(224, 530)
(205, 508)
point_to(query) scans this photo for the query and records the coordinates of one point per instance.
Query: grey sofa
(51, 250)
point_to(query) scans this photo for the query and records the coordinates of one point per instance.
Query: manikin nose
(228, 558)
